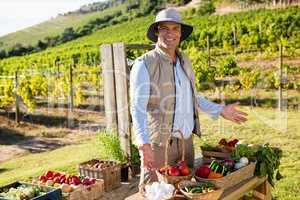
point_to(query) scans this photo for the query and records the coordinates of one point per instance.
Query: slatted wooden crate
(110, 175)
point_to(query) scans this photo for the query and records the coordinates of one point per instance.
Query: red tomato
(49, 175)
(43, 179)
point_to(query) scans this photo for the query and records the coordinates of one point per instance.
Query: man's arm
(139, 93)
(209, 107)
(229, 112)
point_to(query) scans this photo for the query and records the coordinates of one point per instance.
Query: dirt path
(37, 145)
(45, 131)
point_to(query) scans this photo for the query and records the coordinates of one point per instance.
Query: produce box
(91, 192)
(26, 191)
(233, 178)
(73, 187)
(209, 156)
(109, 171)
(219, 152)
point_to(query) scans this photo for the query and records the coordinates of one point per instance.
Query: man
(164, 97)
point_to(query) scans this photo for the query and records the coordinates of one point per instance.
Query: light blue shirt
(184, 113)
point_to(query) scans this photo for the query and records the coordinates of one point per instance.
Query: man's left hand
(231, 113)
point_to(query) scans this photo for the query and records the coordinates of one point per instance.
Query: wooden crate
(110, 175)
(232, 179)
(50, 193)
(209, 156)
(91, 192)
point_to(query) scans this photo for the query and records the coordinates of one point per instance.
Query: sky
(18, 14)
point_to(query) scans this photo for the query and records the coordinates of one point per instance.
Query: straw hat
(169, 15)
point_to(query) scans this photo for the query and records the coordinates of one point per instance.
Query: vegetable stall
(228, 170)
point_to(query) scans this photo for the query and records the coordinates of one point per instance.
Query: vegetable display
(223, 146)
(181, 169)
(228, 146)
(200, 188)
(66, 182)
(268, 162)
(23, 192)
(243, 150)
(216, 169)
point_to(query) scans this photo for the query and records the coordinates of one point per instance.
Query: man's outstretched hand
(230, 112)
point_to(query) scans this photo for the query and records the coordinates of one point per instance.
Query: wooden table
(259, 186)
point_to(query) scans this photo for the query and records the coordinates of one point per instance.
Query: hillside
(53, 27)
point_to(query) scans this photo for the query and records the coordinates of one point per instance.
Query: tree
(3, 54)
(41, 45)
(51, 41)
(68, 34)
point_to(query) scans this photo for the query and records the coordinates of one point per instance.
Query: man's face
(169, 34)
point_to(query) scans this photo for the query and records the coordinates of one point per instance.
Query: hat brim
(186, 30)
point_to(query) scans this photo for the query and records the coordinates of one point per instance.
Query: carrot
(214, 175)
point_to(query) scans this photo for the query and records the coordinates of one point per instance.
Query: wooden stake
(122, 79)
(71, 96)
(17, 98)
(109, 88)
(280, 100)
(208, 50)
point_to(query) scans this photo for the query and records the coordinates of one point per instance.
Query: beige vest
(161, 105)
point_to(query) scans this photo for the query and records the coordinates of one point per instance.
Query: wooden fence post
(109, 86)
(71, 92)
(234, 39)
(122, 76)
(280, 100)
(260, 37)
(71, 96)
(208, 51)
(17, 98)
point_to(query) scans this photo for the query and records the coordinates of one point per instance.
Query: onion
(244, 160)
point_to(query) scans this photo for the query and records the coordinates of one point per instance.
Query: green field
(53, 27)
(264, 125)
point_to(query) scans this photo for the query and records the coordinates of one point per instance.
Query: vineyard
(221, 47)
(56, 94)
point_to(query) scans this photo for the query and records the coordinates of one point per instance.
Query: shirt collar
(165, 55)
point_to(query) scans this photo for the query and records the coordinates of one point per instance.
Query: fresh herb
(268, 161)
(110, 146)
(208, 147)
(242, 150)
(135, 156)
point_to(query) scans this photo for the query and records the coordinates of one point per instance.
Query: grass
(64, 159)
(258, 97)
(264, 125)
